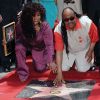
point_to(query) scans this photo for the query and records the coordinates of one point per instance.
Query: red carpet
(10, 85)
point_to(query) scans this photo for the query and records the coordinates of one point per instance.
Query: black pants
(5, 61)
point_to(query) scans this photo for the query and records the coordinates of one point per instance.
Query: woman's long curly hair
(64, 30)
(26, 20)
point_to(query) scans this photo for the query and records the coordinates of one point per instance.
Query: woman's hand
(59, 79)
(52, 66)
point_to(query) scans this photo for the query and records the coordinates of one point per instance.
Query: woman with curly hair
(33, 33)
(51, 10)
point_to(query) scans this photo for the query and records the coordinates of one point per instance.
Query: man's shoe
(93, 68)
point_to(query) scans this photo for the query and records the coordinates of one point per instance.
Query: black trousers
(6, 61)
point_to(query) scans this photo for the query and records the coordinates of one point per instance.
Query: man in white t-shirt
(75, 38)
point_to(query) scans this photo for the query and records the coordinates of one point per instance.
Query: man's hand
(89, 56)
(59, 79)
(1, 19)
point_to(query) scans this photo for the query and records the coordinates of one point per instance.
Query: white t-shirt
(79, 39)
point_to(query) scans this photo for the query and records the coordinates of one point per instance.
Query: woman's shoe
(23, 78)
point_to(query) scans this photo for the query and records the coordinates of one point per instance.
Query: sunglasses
(70, 18)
